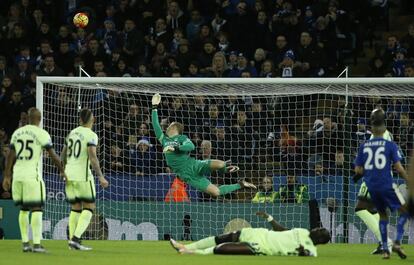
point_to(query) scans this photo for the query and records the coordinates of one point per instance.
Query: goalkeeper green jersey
(77, 158)
(180, 159)
(275, 243)
(28, 143)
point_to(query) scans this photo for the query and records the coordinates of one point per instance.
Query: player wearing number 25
(26, 147)
(79, 154)
(374, 161)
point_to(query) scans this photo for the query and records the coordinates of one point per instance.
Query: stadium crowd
(206, 38)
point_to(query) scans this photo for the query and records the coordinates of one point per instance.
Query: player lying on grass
(26, 147)
(259, 241)
(374, 161)
(79, 154)
(365, 208)
(177, 147)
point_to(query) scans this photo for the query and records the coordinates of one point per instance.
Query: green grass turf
(154, 253)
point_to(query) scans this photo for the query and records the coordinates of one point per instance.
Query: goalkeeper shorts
(194, 174)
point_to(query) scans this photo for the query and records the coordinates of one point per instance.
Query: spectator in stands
(409, 70)
(22, 73)
(193, 27)
(337, 168)
(132, 120)
(258, 58)
(218, 66)
(176, 18)
(362, 134)
(108, 36)
(206, 150)
(116, 159)
(292, 191)
(133, 47)
(266, 193)
(377, 67)
(65, 58)
(214, 118)
(222, 142)
(242, 66)
(177, 37)
(242, 25)
(408, 41)
(242, 133)
(310, 59)
(206, 57)
(287, 68)
(184, 56)
(268, 69)
(405, 134)
(280, 50)
(388, 54)
(262, 34)
(156, 35)
(3, 67)
(218, 23)
(49, 68)
(93, 53)
(158, 58)
(142, 160)
(12, 112)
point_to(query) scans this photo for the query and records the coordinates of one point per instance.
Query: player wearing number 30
(79, 153)
(26, 146)
(374, 161)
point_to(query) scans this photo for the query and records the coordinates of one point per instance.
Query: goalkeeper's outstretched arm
(156, 99)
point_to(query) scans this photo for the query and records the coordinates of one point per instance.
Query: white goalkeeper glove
(169, 149)
(156, 99)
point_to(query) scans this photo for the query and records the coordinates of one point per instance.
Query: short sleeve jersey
(28, 143)
(77, 158)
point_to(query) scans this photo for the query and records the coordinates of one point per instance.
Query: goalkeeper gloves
(357, 177)
(170, 149)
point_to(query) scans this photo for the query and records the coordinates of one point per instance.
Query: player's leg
(364, 210)
(86, 194)
(76, 206)
(17, 194)
(35, 195)
(395, 200)
(237, 248)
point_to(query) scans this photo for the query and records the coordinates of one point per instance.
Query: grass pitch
(154, 253)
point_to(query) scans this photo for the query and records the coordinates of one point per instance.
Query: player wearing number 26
(375, 160)
(26, 147)
(79, 154)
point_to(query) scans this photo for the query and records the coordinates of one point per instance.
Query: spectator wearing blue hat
(107, 36)
(398, 65)
(286, 67)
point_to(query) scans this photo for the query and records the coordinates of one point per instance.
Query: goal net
(295, 139)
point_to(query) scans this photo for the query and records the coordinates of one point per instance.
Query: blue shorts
(387, 198)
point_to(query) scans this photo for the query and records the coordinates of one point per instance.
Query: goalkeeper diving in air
(260, 241)
(176, 148)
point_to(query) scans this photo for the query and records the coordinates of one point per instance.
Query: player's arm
(401, 171)
(63, 155)
(56, 160)
(95, 165)
(359, 170)
(396, 159)
(11, 158)
(156, 99)
(275, 225)
(186, 146)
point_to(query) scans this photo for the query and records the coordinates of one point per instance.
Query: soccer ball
(80, 20)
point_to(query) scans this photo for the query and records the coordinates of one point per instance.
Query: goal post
(294, 138)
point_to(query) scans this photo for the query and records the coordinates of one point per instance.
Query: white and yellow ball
(80, 20)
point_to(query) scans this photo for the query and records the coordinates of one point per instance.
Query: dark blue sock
(400, 226)
(384, 234)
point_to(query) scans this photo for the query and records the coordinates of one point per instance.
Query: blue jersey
(377, 156)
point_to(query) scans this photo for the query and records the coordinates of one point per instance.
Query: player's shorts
(29, 193)
(80, 191)
(194, 174)
(363, 193)
(387, 198)
(256, 238)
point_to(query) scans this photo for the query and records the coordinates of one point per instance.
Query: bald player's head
(34, 116)
(378, 121)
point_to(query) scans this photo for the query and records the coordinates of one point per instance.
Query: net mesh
(295, 142)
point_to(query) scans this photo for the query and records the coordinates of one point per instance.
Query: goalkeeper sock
(206, 251)
(384, 233)
(36, 223)
(371, 221)
(202, 244)
(83, 222)
(400, 226)
(73, 221)
(23, 224)
(225, 189)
